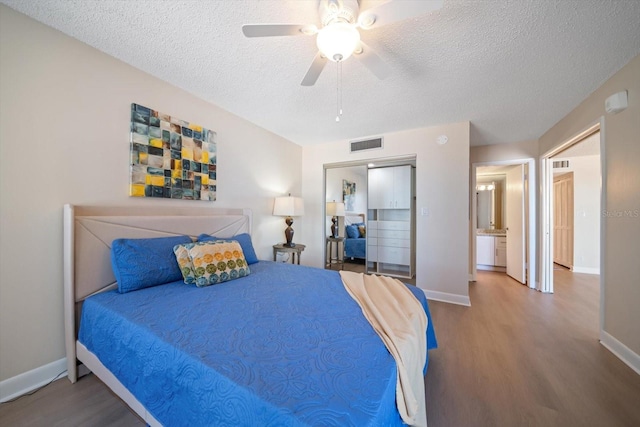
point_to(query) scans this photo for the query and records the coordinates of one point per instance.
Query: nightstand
(295, 251)
(333, 246)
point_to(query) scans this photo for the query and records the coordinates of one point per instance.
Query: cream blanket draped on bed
(400, 321)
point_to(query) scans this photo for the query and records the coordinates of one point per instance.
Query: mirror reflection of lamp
(334, 210)
(288, 207)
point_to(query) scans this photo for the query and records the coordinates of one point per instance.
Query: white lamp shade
(288, 206)
(338, 41)
(335, 209)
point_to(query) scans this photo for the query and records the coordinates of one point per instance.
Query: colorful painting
(171, 158)
(349, 195)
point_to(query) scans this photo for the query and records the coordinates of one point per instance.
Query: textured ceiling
(511, 68)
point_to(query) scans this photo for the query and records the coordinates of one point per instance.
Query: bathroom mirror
(490, 201)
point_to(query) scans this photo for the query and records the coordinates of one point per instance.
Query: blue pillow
(245, 243)
(142, 263)
(352, 232)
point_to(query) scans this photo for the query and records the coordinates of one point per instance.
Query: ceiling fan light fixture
(338, 41)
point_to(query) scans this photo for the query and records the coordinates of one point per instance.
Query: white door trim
(532, 230)
(546, 232)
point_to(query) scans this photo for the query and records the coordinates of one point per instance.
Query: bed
(284, 345)
(355, 242)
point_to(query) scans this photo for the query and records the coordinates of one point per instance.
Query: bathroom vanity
(491, 250)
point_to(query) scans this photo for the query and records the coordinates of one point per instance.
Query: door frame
(546, 192)
(531, 195)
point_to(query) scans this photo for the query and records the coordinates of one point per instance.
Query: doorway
(572, 197)
(523, 224)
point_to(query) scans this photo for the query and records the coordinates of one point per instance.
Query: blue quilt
(355, 248)
(284, 346)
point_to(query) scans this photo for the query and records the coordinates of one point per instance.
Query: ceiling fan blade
(394, 11)
(314, 70)
(372, 61)
(271, 30)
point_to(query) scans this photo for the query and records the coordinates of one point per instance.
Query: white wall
(442, 188)
(64, 138)
(503, 152)
(586, 212)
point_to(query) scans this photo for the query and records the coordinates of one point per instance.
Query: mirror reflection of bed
(348, 185)
(355, 242)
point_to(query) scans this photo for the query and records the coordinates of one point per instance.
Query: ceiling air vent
(366, 144)
(560, 164)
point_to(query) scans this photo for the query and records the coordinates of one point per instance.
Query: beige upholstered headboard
(353, 218)
(89, 231)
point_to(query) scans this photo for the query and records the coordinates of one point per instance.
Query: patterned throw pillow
(212, 262)
(186, 266)
(245, 242)
(362, 230)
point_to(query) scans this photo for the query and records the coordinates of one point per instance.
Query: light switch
(424, 211)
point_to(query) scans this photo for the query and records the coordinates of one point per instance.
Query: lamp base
(288, 233)
(334, 227)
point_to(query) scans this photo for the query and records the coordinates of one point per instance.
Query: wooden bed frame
(88, 233)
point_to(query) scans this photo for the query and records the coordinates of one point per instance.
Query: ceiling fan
(339, 36)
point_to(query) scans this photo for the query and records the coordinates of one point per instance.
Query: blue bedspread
(284, 346)
(355, 248)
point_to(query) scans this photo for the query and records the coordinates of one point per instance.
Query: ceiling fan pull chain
(338, 90)
(338, 112)
(340, 71)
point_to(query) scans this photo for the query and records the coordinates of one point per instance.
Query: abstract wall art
(171, 158)
(348, 195)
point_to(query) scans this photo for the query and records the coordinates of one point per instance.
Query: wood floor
(87, 403)
(516, 357)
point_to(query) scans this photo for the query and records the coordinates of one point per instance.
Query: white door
(515, 224)
(563, 219)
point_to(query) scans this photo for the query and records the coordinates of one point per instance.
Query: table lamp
(288, 207)
(335, 209)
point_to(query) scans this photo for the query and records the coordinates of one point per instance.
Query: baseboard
(623, 352)
(491, 268)
(31, 380)
(586, 270)
(449, 298)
